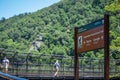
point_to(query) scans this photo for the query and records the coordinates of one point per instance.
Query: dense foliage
(56, 26)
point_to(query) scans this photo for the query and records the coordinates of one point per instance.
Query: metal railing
(4, 76)
(29, 64)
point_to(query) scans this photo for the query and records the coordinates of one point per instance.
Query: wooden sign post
(106, 47)
(90, 37)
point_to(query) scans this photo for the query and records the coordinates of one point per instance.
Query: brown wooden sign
(90, 39)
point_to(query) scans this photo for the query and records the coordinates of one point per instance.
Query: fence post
(13, 62)
(27, 62)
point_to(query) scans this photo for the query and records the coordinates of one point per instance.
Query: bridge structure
(40, 66)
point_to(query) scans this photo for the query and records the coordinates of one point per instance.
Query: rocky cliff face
(36, 44)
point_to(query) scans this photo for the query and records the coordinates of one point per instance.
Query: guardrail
(4, 76)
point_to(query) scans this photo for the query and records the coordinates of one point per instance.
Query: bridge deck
(64, 78)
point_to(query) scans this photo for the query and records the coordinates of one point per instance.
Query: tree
(113, 7)
(3, 19)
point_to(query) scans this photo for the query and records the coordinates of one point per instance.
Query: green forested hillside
(51, 30)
